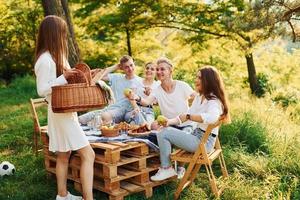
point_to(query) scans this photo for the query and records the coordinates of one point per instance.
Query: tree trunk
(128, 42)
(60, 8)
(251, 72)
(51, 7)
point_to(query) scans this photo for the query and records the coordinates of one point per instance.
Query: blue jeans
(181, 139)
(121, 113)
(146, 115)
(117, 114)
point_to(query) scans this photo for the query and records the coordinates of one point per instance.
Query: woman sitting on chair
(207, 108)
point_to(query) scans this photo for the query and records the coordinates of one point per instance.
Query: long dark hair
(52, 37)
(213, 87)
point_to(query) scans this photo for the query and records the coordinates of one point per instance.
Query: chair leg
(183, 180)
(35, 145)
(194, 173)
(223, 166)
(212, 180)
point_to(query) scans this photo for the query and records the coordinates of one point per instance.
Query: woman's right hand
(69, 73)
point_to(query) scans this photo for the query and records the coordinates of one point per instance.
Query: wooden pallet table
(120, 169)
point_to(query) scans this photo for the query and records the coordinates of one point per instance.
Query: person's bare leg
(87, 156)
(62, 163)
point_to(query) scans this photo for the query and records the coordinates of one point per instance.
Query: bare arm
(146, 101)
(134, 105)
(195, 118)
(108, 70)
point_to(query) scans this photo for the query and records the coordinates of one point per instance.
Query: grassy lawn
(261, 148)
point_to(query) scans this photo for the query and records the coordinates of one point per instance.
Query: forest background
(255, 45)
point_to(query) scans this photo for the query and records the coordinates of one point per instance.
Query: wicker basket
(78, 96)
(110, 132)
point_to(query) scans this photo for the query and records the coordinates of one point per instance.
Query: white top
(209, 110)
(45, 70)
(65, 133)
(153, 86)
(119, 83)
(173, 104)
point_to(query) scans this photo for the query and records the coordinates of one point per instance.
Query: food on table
(141, 129)
(109, 131)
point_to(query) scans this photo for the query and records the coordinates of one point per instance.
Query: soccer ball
(6, 168)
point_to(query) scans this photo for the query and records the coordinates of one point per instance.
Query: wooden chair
(199, 158)
(38, 129)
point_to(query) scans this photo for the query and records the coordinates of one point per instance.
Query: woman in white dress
(65, 134)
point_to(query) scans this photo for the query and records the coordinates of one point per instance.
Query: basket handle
(86, 70)
(80, 77)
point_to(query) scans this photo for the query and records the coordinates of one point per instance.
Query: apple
(127, 92)
(161, 120)
(104, 127)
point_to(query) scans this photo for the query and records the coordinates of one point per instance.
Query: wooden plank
(132, 188)
(214, 154)
(133, 143)
(111, 156)
(120, 144)
(142, 179)
(109, 186)
(109, 171)
(105, 146)
(139, 165)
(126, 172)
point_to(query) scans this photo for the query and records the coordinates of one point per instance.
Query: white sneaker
(69, 197)
(180, 172)
(163, 174)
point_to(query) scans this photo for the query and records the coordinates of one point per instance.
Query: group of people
(184, 125)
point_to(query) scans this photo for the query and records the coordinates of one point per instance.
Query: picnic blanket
(95, 136)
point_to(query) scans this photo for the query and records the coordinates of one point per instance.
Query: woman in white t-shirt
(65, 134)
(208, 106)
(144, 114)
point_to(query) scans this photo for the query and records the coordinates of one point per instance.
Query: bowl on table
(109, 132)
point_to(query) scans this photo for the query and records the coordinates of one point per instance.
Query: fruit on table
(127, 92)
(161, 120)
(104, 127)
(107, 127)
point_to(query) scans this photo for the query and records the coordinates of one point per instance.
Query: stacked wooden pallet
(120, 169)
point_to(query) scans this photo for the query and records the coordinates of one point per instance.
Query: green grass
(261, 149)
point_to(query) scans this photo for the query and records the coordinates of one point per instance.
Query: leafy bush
(263, 85)
(285, 99)
(247, 132)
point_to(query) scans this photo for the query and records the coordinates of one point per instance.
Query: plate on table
(136, 134)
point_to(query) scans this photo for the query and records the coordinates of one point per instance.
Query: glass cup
(96, 123)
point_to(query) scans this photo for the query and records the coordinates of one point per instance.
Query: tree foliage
(18, 26)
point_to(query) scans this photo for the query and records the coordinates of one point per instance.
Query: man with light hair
(115, 113)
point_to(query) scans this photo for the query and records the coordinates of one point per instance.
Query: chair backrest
(36, 115)
(201, 147)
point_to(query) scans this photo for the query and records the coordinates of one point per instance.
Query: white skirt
(65, 133)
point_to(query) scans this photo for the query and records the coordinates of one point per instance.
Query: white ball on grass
(6, 168)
